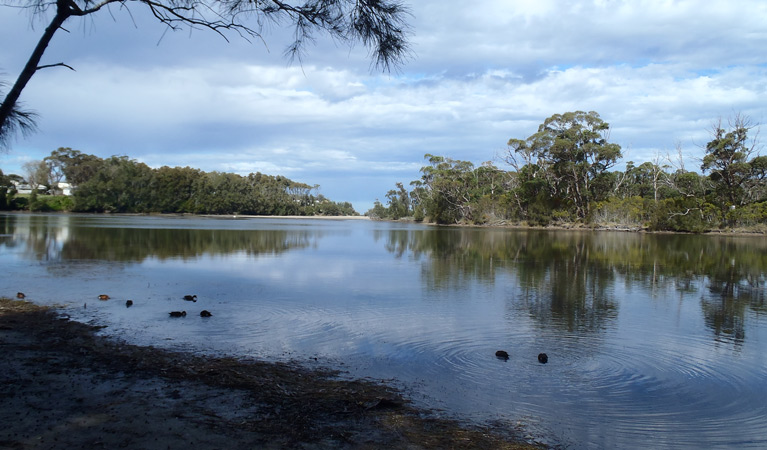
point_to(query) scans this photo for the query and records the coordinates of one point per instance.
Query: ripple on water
(688, 395)
(640, 389)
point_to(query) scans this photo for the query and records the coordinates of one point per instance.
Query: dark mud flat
(63, 387)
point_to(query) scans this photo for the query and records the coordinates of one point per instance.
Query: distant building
(62, 188)
(24, 188)
(59, 188)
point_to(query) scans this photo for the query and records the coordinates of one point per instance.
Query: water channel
(657, 339)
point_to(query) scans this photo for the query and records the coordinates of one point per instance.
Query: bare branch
(56, 65)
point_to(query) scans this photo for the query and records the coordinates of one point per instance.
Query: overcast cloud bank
(660, 72)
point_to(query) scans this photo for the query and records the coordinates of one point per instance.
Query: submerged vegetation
(123, 185)
(560, 175)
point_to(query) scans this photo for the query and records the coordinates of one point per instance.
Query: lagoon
(657, 339)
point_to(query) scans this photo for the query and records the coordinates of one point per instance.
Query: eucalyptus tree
(120, 184)
(571, 152)
(448, 186)
(380, 25)
(399, 202)
(77, 167)
(647, 180)
(735, 167)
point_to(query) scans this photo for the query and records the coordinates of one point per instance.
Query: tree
(379, 25)
(120, 185)
(76, 166)
(5, 186)
(55, 169)
(18, 121)
(571, 151)
(37, 174)
(728, 157)
(646, 180)
(447, 183)
(399, 202)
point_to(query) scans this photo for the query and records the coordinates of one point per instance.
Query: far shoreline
(249, 216)
(762, 231)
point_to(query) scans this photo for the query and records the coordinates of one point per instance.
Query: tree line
(122, 185)
(561, 174)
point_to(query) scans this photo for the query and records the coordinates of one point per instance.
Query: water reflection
(73, 238)
(648, 335)
(566, 279)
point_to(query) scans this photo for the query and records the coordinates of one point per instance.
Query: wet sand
(62, 387)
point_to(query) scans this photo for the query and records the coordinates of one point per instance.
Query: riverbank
(756, 230)
(64, 386)
(246, 216)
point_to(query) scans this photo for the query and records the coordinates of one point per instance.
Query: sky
(660, 72)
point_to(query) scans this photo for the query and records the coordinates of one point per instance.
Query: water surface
(659, 337)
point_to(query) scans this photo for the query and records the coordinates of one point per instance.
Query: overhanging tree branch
(379, 25)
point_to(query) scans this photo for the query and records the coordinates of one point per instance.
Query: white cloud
(658, 71)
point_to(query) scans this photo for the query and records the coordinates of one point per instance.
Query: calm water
(652, 340)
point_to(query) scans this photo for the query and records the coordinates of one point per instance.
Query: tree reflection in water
(59, 239)
(566, 278)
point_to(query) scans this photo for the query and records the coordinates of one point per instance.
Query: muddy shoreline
(62, 386)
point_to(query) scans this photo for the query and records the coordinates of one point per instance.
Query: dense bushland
(561, 175)
(122, 185)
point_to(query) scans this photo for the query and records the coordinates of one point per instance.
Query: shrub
(632, 211)
(685, 214)
(748, 215)
(52, 203)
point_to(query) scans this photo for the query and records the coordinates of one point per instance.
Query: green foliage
(560, 175)
(751, 215)
(325, 207)
(399, 203)
(378, 211)
(76, 166)
(19, 203)
(632, 212)
(5, 186)
(49, 203)
(119, 185)
(685, 214)
(122, 185)
(571, 153)
(737, 172)
(727, 159)
(453, 191)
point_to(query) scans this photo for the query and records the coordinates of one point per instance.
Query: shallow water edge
(64, 386)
